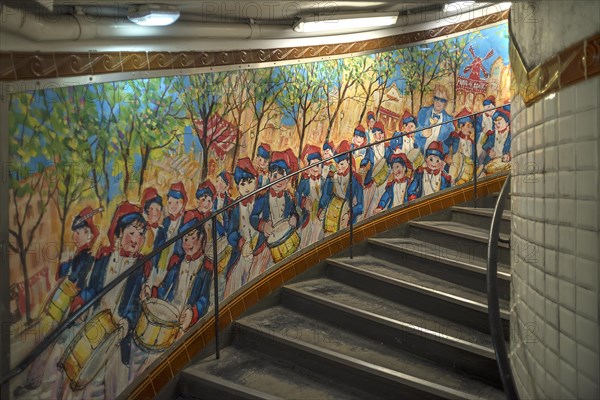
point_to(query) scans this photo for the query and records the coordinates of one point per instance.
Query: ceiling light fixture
(153, 14)
(340, 22)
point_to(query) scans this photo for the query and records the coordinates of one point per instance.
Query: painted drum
(336, 215)
(461, 169)
(60, 300)
(90, 349)
(158, 325)
(496, 165)
(284, 240)
(416, 158)
(381, 172)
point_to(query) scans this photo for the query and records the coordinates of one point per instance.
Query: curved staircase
(405, 318)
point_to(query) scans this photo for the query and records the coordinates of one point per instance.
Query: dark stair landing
(404, 319)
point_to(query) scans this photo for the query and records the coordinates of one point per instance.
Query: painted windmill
(476, 67)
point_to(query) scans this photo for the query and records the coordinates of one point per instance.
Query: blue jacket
(77, 268)
(423, 122)
(357, 195)
(489, 144)
(387, 198)
(415, 190)
(261, 212)
(234, 237)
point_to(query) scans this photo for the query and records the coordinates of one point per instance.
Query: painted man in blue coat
(396, 190)
(430, 178)
(433, 115)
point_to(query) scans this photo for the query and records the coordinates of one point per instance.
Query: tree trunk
(145, 158)
(23, 259)
(256, 136)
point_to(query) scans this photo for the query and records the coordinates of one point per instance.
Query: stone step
(481, 218)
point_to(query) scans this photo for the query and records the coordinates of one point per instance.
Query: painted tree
(236, 99)
(156, 120)
(266, 86)
(303, 97)
(201, 96)
(455, 55)
(338, 77)
(31, 183)
(385, 68)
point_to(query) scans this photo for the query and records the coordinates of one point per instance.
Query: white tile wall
(556, 244)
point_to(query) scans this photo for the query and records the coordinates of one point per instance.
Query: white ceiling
(203, 25)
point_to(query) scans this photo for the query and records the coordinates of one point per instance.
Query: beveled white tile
(568, 378)
(566, 100)
(550, 256)
(587, 303)
(566, 184)
(566, 158)
(586, 155)
(551, 288)
(550, 132)
(566, 239)
(566, 211)
(567, 346)
(587, 185)
(587, 214)
(587, 332)
(586, 125)
(587, 273)
(587, 361)
(566, 296)
(550, 158)
(587, 244)
(587, 388)
(566, 128)
(586, 94)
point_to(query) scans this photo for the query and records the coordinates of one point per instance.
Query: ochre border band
(191, 346)
(38, 65)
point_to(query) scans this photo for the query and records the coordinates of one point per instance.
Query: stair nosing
(486, 212)
(474, 305)
(458, 264)
(355, 363)
(253, 393)
(477, 238)
(448, 340)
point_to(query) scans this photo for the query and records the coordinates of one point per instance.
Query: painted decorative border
(181, 356)
(574, 64)
(38, 65)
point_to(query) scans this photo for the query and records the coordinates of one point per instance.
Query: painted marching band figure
(223, 198)
(396, 192)
(71, 277)
(376, 170)
(497, 144)
(370, 125)
(461, 144)
(334, 210)
(408, 125)
(176, 202)
(432, 115)
(328, 152)
(274, 213)
(117, 312)
(263, 155)
(152, 204)
(249, 255)
(484, 124)
(359, 140)
(431, 178)
(187, 284)
(308, 194)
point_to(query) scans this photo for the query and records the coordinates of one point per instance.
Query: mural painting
(103, 174)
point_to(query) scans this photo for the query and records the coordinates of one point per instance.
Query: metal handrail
(51, 337)
(494, 301)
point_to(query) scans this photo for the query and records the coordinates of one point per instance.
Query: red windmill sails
(220, 135)
(474, 83)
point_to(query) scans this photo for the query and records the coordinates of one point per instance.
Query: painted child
(222, 198)
(406, 134)
(396, 192)
(263, 155)
(328, 152)
(431, 178)
(462, 142)
(377, 170)
(274, 213)
(152, 204)
(370, 124)
(484, 124)
(337, 186)
(359, 140)
(176, 202)
(308, 194)
(188, 282)
(497, 144)
(249, 245)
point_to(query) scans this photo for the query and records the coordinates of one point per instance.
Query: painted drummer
(263, 155)
(430, 178)
(497, 144)
(275, 211)
(152, 204)
(223, 184)
(377, 170)
(250, 251)
(396, 192)
(461, 144)
(187, 285)
(126, 237)
(176, 202)
(484, 124)
(337, 186)
(328, 152)
(407, 126)
(308, 195)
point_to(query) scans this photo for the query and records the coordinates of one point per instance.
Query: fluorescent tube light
(153, 15)
(341, 22)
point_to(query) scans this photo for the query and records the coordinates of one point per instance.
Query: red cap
(177, 190)
(148, 194)
(206, 188)
(85, 218)
(379, 126)
(403, 157)
(286, 157)
(123, 209)
(312, 151)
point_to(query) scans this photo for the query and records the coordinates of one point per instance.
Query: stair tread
(356, 299)
(263, 373)
(296, 326)
(454, 229)
(488, 212)
(439, 253)
(422, 280)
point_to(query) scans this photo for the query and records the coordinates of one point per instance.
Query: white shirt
(340, 184)
(465, 147)
(399, 192)
(276, 208)
(117, 264)
(435, 131)
(174, 227)
(500, 139)
(246, 229)
(185, 280)
(431, 182)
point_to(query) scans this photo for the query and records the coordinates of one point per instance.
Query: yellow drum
(284, 241)
(380, 172)
(60, 300)
(223, 252)
(158, 325)
(416, 158)
(335, 216)
(461, 169)
(496, 165)
(90, 349)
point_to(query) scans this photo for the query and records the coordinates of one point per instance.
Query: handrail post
(350, 205)
(493, 301)
(216, 284)
(474, 151)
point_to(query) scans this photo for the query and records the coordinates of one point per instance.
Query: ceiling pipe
(85, 27)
